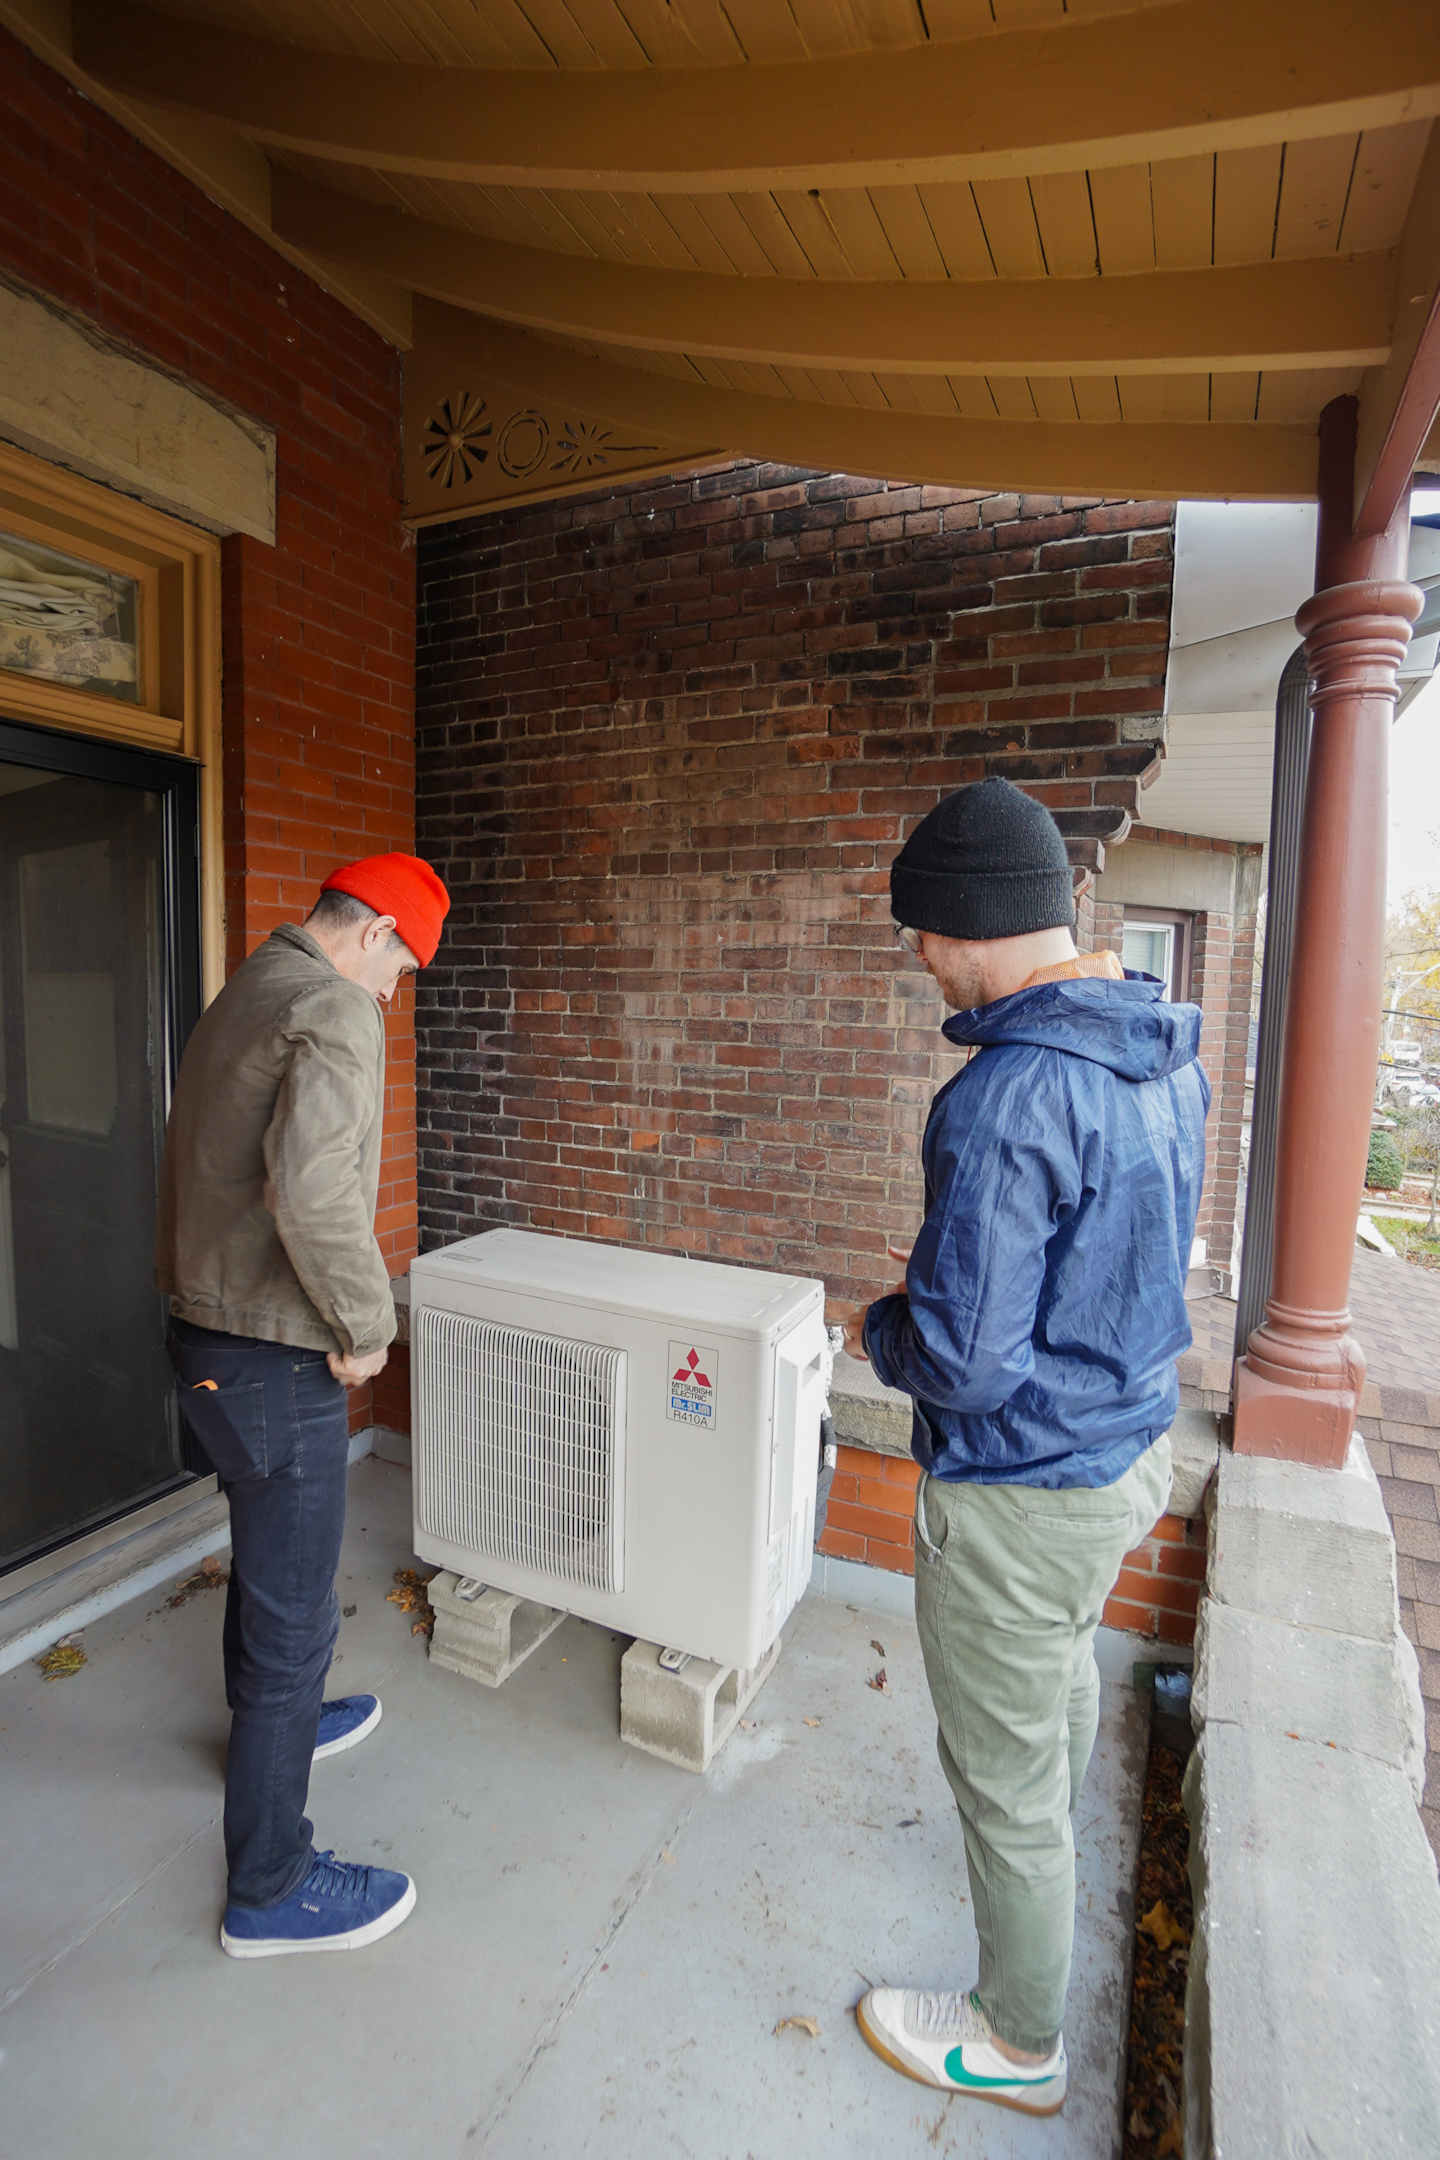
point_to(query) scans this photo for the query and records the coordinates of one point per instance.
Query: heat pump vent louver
(520, 1447)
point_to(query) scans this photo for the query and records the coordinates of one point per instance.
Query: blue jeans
(275, 1429)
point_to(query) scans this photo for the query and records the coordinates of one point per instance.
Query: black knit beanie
(988, 862)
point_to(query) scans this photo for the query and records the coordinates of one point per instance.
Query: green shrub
(1383, 1165)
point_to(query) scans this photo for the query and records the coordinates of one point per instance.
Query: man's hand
(852, 1319)
(353, 1372)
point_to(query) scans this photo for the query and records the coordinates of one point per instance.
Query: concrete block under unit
(1310, 1548)
(685, 1717)
(484, 1634)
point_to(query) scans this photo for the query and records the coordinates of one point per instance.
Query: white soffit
(1238, 565)
(1238, 673)
(70, 394)
(1215, 777)
(1241, 572)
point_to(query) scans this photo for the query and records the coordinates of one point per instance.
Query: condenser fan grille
(520, 1447)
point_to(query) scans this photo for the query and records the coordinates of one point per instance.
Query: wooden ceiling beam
(1334, 312)
(1258, 463)
(1164, 82)
(1399, 401)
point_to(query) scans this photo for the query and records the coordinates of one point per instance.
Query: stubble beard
(961, 982)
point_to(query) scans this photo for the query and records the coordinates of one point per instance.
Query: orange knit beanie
(402, 886)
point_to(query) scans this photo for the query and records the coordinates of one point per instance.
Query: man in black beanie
(1037, 1331)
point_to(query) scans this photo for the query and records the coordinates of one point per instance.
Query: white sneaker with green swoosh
(945, 2040)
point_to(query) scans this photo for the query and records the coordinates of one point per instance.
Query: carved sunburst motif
(584, 445)
(455, 442)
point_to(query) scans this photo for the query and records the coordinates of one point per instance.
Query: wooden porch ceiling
(1078, 246)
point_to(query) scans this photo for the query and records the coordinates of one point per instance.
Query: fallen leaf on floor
(1173, 2140)
(411, 1595)
(812, 1721)
(208, 1576)
(877, 1647)
(801, 2024)
(880, 1683)
(1160, 1925)
(64, 1659)
(348, 1612)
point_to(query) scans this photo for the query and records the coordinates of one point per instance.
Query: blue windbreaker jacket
(1044, 1305)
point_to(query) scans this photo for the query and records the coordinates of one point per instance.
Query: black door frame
(176, 781)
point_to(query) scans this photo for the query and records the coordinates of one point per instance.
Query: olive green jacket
(266, 1223)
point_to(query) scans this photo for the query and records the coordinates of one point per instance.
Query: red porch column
(1297, 1388)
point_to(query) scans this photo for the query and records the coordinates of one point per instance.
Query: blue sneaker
(338, 1906)
(343, 1722)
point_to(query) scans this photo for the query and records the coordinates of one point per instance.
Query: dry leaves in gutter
(1153, 2086)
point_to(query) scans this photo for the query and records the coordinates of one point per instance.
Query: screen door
(99, 970)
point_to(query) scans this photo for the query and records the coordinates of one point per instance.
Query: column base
(1293, 1423)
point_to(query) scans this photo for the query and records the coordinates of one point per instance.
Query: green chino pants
(1009, 1585)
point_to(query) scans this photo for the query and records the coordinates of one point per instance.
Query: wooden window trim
(177, 568)
(1183, 924)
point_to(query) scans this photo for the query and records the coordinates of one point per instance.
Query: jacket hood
(1126, 1026)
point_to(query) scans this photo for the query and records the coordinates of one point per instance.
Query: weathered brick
(698, 885)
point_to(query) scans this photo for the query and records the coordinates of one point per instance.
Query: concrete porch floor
(602, 1945)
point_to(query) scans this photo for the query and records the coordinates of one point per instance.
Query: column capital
(1356, 635)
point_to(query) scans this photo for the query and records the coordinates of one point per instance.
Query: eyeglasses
(912, 940)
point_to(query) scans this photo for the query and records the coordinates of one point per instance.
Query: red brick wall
(318, 631)
(872, 1519)
(1158, 1591)
(390, 1394)
(1106, 925)
(669, 743)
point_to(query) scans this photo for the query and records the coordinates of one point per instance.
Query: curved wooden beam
(1246, 463)
(1330, 313)
(1196, 75)
(1400, 401)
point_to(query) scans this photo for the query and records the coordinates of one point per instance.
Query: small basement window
(1156, 941)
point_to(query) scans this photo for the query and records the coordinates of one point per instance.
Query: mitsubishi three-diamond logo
(694, 1372)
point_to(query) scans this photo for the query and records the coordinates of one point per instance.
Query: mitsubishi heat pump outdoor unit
(627, 1435)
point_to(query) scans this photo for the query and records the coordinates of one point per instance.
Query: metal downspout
(1287, 805)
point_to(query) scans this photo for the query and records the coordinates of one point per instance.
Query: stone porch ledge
(1313, 2012)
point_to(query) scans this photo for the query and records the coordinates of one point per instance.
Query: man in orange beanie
(280, 1302)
